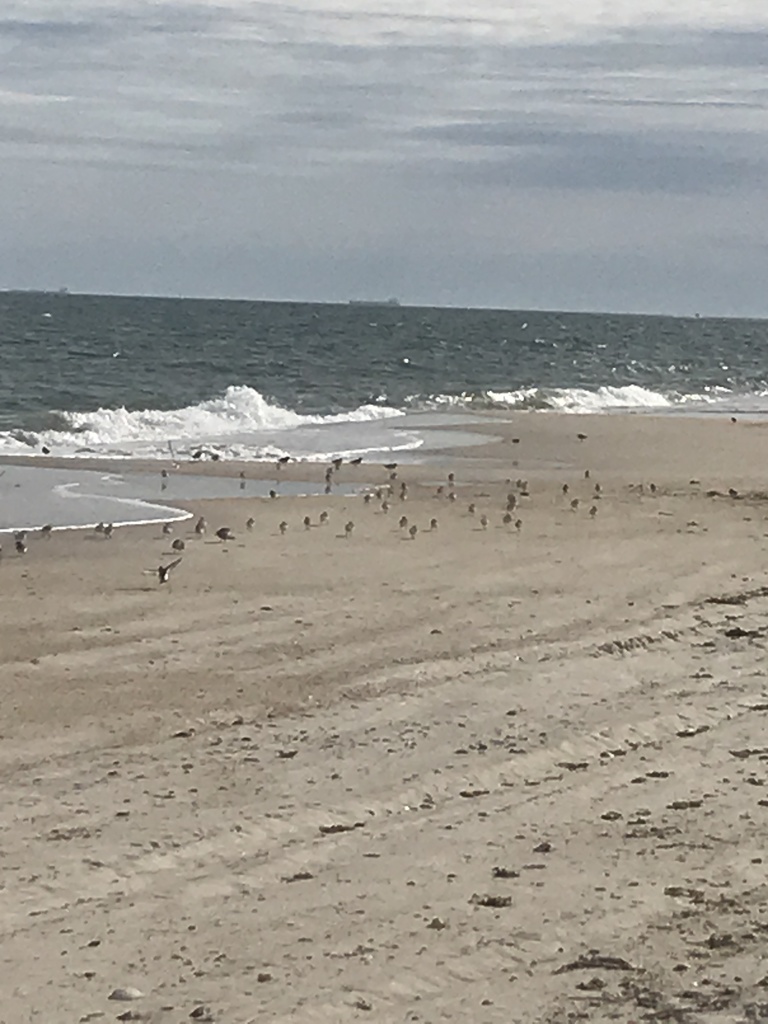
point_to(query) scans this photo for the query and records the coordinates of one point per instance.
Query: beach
(491, 773)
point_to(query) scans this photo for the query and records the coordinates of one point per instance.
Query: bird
(403, 522)
(582, 437)
(283, 460)
(515, 440)
(413, 530)
(518, 525)
(200, 526)
(178, 544)
(167, 529)
(471, 508)
(652, 488)
(393, 476)
(283, 527)
(20, 535)
(164, 571)
(385, 507)
(403, 491)
(452, 496)
(511, 502)
(357, 461)
(598, 489)
(574, 504)
(323, 518)
(327, 489)
(273, 494)
(21, 547)
(593, 511)
(108, 531)
(99, 528)
(307, 522)
(249, 523)
(367, 498)
(224, 533)
(439, 491)
(390, 465)
(733, 492)
(484, 522)
(433, 524)
(451, 478)
(337, 463)
(46, 531)
(329, 474)
(349, 527)
(506, 518)
(565, 488)
(164, 474)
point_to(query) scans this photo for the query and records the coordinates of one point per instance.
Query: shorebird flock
(503, 510)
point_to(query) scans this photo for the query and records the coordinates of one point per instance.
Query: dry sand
(479, 776)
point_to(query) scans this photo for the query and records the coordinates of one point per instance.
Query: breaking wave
(240, 413)
(631, 397)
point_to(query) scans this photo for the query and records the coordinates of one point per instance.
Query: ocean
(119, 376)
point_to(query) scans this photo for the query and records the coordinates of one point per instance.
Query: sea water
(101, 376)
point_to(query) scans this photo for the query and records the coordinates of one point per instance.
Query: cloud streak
(362, 125)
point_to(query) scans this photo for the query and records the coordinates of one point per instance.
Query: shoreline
(326, 774)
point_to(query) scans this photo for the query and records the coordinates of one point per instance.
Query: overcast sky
(556, 154)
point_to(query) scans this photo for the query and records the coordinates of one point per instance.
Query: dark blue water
(67, 355)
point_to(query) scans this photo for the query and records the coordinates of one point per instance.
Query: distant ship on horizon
(374, 302)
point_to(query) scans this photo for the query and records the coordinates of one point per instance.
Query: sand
(485, 775)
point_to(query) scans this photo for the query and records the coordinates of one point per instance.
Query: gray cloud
(323, 153)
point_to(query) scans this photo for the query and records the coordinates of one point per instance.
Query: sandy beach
(488, 774)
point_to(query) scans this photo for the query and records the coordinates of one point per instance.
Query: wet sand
(487, 774)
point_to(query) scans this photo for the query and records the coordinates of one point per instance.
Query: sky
(556, 154)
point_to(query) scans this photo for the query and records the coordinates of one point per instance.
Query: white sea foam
(629, 397)
(241, 423)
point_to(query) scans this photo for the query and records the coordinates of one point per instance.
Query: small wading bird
(403, 522)
(21, 547)
(108, 531)
(506, 518)
(413, 531)
(167, 529)
(323, 518)
(178, 544)
(367, 499)
(348, 529)
(484, 522)
(200, 526)
(224, 533)
(283, 527)
(357, 461)
(46, 531)
(593, 511)
(433, 524)
(249, 523)
(307, 523)
(164, 571)
(337, 463)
